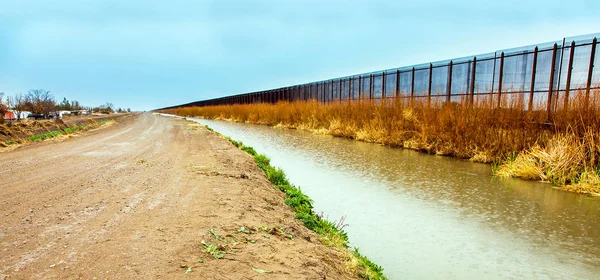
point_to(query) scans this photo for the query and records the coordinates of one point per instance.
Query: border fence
(541, 77)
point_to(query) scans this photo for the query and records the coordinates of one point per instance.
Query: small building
(81, 112)
(59, 114)
(12, 115)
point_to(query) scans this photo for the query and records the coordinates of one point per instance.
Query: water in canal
(429, 217)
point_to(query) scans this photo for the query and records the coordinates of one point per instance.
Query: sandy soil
(135, 201)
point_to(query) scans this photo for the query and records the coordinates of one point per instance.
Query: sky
(146, 54)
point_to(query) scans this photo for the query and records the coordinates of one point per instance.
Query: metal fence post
(397, 83)
(359, 87)
(383, 85)
(349, 88)
(569, 72)
(370, 86)
(412, 85)
(590, 71)
(340, 90)
(449, 85)
(472, 85)
(429, 84)
(533, 71)
(500, 78)
(551, 84)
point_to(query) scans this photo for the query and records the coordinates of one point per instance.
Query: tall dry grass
(563, 148)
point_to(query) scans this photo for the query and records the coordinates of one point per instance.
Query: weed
(264, 228)
(214, 250)
(68, 130)
(260, 271)
(244, 230)
(368, 265)
(249, 150)
(10, 142)
(216, 235)
(330, 233)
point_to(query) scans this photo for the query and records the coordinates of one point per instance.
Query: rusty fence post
(359, 87)
(472, 85)
(412, 86)
(569, 72)
(397, 94)
(350, 86)
(340, 90)
(370, 86)
(500, 78)
(449, 84)
(429, 84)
(533, 71)
(590, 71)
(551, 83)
(383, 85)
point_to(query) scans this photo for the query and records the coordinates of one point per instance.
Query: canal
(430, 217)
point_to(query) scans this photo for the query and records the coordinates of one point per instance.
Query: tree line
(42, 102)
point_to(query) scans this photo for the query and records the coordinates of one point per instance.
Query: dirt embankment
(150, 198)
(19, 130)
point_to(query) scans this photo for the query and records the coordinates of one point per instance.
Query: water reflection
(430, 217)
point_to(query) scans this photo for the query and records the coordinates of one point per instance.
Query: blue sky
(150, 54)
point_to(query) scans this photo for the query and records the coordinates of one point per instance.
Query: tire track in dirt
(135, 200)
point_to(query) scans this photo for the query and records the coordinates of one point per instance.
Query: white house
(12, 115)
(81, 112)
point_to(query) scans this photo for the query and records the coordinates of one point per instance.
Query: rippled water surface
(429, 217)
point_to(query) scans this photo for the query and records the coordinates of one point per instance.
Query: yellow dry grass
(532, 145)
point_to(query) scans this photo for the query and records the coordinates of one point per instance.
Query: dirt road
(136, 200)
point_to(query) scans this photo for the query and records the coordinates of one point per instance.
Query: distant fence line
(540, 77)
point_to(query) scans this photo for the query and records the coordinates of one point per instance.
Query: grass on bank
(330, 234)
(563, 148)
(55, 133)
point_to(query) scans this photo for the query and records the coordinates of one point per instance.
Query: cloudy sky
(150, 54)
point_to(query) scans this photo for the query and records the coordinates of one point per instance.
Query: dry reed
(562, 148)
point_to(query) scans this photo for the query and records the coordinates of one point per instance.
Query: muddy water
(429, 217)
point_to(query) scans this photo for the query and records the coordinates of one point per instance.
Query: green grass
(10, 142)
(45, 136)
(68, 130)
(303, 206)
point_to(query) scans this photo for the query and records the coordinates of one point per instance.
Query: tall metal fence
(541, 77)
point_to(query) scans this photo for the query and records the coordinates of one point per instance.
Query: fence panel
(581, 65)
(365, 85)
(421, 82)
(484, 76)
(390, 84)
(405, 83)
(354, 88)
(510, 77)
(439, 80)
(461, 78)
(336, 90)
(377, 86)
(517, 73)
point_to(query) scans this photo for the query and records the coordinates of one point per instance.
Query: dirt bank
(150, 198)
(20, 130)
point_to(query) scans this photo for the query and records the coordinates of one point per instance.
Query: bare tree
(40, 101)
(18, 104)
(3, 108)
(110, 107)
